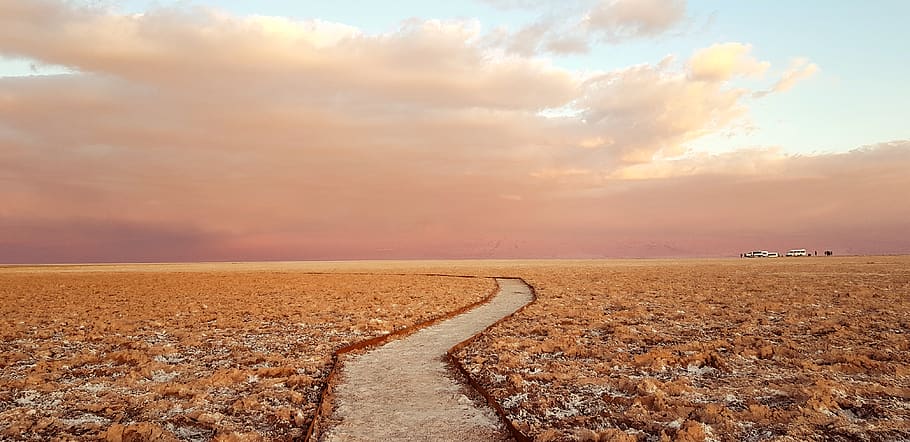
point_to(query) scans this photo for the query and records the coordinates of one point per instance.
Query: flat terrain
(734, 349)
(190, 351)
(766, 349)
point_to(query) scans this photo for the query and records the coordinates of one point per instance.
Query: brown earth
(738, 350)
(126, 353)
(771, 349)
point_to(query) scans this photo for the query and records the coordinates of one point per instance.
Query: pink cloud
(198, 135)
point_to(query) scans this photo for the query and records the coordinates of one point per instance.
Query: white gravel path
(403, 390)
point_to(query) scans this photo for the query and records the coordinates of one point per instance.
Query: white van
(773, 255)
(797, 252)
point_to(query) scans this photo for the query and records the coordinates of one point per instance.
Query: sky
(213, 130)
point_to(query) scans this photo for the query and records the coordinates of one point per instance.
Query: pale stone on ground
(404, 391)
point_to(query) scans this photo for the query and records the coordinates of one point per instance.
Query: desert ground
(768, 349)
(729, 349)
(190, 352)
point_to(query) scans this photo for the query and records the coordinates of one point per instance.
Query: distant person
(816, 253)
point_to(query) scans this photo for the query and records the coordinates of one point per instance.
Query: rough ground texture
(404, 391)
(196, 352)
(807, 349)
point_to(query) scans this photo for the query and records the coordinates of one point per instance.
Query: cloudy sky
(235, 130)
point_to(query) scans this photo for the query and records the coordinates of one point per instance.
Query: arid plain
(732, 349)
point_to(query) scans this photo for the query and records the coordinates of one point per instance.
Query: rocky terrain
(140, 353)
(733, 350)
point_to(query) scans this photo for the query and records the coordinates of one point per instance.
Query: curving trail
(404, 390)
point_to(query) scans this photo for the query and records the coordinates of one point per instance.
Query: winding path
(404, 391)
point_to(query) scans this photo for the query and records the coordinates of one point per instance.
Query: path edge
(326, 395)
(516, 433)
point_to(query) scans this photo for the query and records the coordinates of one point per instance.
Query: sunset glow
(210, 130)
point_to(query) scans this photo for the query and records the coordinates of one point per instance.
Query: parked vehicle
(757, 254)
(798, 252)
(773, 255)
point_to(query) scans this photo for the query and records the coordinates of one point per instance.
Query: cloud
(103, 240)
(567, 44)
(225, 137)
(741, 163)
(720, 62)
(545, 36)
(527, 40)
(332, 89)
(616, 20)
(213, 51)
(760, 198)
(573, 27)
(800, 69)
(559, 173)
(518, 4)
(647, 109)
(843, 202)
